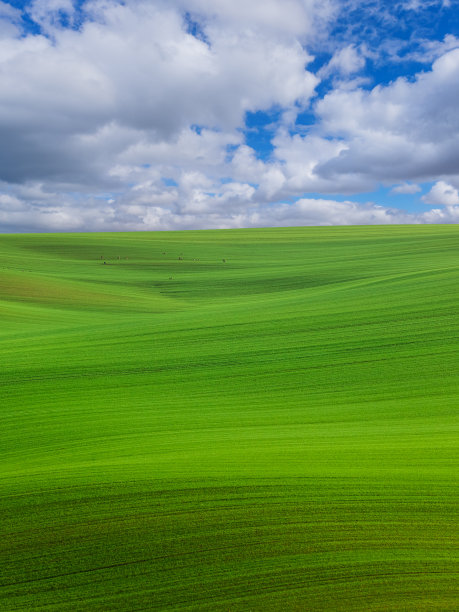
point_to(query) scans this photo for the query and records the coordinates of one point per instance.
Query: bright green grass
(276, 432)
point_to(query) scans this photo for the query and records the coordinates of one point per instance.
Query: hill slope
(230, 420)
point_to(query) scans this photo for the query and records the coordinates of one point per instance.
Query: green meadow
(230, 420)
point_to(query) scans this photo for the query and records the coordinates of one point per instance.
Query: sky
(120, 115)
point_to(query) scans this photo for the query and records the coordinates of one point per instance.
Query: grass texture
(230, 420)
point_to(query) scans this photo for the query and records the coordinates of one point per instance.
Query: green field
(276, 431)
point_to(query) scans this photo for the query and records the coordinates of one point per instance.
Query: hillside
(230, 420)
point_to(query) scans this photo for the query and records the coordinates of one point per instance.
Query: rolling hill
(257, 419)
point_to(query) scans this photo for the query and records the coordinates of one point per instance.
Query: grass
(276, 431)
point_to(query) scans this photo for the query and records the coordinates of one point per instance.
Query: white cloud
(430, 50)
(403, 131)
(142, 119)
(233, 206)
(136, 71)
(273, 17)
(48, 13)
(9, 12)
(416, 5)
(442, 194)
(406, 188)
(9, 22)
(345, 61)
(10, 203)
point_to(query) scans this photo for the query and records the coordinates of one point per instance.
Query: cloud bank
(136, 115)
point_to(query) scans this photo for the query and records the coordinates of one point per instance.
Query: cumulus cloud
(345, 61)
(233, 206)
(442, 193)
(299, 18)
(134, 71)
(405, 130)
(132, 115)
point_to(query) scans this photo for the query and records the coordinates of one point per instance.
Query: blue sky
(181, 114)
